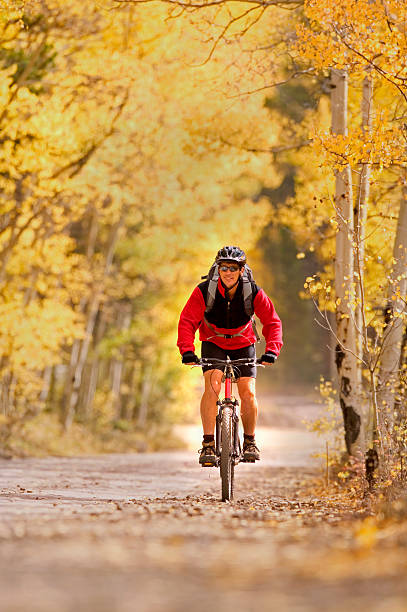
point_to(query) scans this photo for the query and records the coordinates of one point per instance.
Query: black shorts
(209, 349)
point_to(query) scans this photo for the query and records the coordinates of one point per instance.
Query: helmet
(231, 253)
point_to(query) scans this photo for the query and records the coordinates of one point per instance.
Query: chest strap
(230, 336)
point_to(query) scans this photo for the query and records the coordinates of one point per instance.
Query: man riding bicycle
(222, 311)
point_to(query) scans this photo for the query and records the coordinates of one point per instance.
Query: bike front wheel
(227, 468)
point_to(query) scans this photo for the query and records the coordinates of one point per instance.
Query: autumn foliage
(113, 205)
(137, 137)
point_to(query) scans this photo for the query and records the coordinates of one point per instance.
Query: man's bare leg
(247, 392)
(248, 409)
(209, 409)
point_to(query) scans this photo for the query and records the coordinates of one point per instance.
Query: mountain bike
(227, 440)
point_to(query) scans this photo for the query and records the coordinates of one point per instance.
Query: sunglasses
(224, 268)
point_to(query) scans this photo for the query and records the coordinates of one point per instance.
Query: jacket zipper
(228, 316)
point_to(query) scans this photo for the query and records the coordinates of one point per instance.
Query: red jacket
(228, 317)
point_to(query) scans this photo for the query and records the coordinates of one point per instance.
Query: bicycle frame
(229, 400)
(228, 386)
(227, 441)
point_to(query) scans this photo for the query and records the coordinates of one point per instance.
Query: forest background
(136, 139)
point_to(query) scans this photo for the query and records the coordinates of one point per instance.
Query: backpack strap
(212, 287)
(248, 297)
(256, 333)
(248, 304)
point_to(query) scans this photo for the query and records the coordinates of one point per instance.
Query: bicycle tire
(226, 456)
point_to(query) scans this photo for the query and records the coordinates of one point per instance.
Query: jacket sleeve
(189, 321)
(272, 328)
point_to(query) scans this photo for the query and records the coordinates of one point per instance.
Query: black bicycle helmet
(231, 253)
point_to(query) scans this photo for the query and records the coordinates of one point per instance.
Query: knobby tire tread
(226, 459)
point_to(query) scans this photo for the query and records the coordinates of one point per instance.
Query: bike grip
(259, 363)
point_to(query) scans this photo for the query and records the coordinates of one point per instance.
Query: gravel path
(148, 533)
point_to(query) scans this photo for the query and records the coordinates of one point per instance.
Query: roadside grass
(44, 435)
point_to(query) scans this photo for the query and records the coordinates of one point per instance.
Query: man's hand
(268, 358)
(189, 357)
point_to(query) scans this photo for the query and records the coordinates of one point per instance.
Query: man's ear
(241, 271)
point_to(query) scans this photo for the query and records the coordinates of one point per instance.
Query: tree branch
(202, 5)
(371, 63)
(225, 29)
(287, 80)
(271, 150)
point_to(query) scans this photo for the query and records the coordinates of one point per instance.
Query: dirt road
(148, 533)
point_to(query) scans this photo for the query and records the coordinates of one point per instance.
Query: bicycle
(227, 440)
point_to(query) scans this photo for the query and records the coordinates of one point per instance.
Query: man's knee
(248, 396)
(247, 390)
(211, 392)
(213, 381)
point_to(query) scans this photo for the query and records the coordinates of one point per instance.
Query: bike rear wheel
(227, 468)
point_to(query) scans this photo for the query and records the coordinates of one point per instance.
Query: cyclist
(227, 330)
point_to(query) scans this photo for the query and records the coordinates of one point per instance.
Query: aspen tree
(360, 217)
(346, 351)
(366, 37)
(388, 376)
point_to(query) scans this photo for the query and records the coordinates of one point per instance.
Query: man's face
(230, 273)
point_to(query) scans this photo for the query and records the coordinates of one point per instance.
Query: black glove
(189, 357)
(268, 357)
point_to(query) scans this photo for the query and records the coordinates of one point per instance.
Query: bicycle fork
(233, 404)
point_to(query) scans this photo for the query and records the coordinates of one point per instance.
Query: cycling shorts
(209, 349)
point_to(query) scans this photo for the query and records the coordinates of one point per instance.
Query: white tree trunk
(46, 383)
(146, 387)
(361, 214)
(393, 334)
(91, 389)
(346, 357)
(124, 321)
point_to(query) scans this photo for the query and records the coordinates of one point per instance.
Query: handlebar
(204, 361)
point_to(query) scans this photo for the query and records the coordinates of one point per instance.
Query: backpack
(248, 280)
